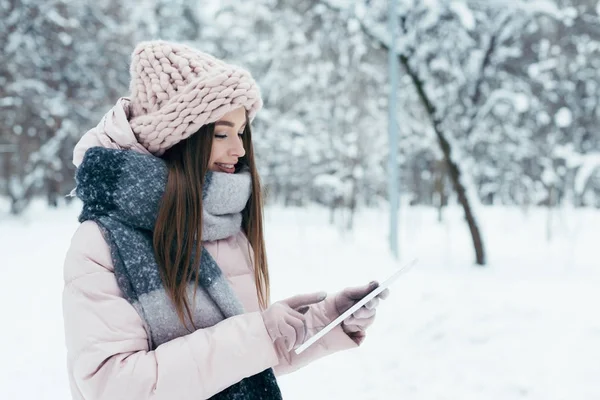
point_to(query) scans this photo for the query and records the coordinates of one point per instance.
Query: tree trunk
(352, 205)
(52, 191)
(439, 188)
(549, 220)
(331, 214)
(453, 168)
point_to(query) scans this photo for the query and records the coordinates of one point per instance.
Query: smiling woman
(228, 143)
(166, 281)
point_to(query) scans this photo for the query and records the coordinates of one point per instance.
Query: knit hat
(176, 89)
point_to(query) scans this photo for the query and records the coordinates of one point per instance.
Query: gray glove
(285, 320)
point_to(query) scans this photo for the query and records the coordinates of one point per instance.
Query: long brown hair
(178, 232)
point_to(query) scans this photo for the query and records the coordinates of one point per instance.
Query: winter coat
(107, 346)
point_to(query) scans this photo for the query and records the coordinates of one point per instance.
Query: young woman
(166, 282)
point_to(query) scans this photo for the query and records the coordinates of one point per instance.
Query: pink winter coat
(107, 347)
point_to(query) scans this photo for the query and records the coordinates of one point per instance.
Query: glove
(286, 323)
(356, 325)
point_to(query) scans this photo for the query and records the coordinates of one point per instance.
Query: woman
(166, 280)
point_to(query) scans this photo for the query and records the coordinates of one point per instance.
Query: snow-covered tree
(322, 81)
(502, 95)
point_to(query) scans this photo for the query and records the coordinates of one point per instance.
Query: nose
(237, 149)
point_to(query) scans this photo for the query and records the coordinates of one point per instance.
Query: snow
(329, 182)
(563, 118)
(53, 16)
(521, 102)
(296, 126)
(542, 117)
(547, 7)
(65, 38)
(9, 101)
(518, 100)
(353, 25)
(464, 14)
(589, 164)
(524, 327)
(535, 69)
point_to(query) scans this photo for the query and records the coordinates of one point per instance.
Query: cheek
(216, 151)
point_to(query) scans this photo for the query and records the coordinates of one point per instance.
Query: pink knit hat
(176, 89)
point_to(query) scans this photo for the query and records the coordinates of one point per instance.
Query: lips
(227, 168)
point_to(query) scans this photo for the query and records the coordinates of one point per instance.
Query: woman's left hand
(356, 325)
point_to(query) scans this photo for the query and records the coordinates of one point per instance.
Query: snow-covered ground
(526, 326)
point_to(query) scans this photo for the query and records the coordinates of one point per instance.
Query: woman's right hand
(285, 320)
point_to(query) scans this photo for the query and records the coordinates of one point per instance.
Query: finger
(289, 333)
(364, 323)
(373, 303)
(300, 328)
(360, 323)
(358, 337)
(363, 313)
(350, 327)
(358, 292)
(384, 295)
(305, 299)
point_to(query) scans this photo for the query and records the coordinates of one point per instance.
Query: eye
(220, 136)
(241, 134)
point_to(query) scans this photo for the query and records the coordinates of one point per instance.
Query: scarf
(121, 191)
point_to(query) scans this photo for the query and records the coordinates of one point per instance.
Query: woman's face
(227, 146)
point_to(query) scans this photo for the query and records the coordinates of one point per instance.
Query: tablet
(355, 307)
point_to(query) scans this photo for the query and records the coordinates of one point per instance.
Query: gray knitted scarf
(121, 191)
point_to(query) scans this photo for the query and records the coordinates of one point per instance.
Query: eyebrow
(227, 123)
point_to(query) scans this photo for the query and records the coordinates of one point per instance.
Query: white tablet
(382, 286)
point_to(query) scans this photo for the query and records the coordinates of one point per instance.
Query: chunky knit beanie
(176, 89)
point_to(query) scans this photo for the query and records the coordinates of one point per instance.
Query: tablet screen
(382, 286)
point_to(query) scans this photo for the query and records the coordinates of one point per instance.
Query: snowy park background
(524, 327)
(498, 100)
